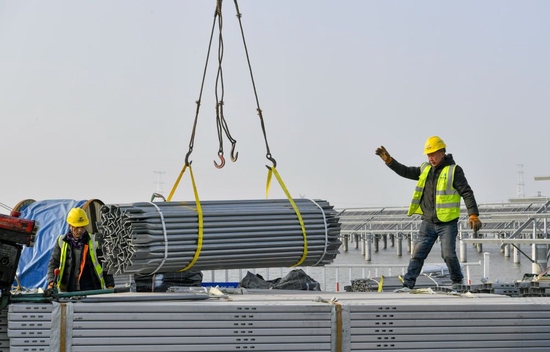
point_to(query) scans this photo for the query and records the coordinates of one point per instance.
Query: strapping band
(165, 238)
(326, 231)
(339, 324)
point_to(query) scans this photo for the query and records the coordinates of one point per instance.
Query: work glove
(383, 154)
(474, 222)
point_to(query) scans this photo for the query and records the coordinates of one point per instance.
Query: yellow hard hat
(433, 144)
(77, 217)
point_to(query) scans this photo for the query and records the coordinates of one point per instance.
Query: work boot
(456, 286)
(403, 289)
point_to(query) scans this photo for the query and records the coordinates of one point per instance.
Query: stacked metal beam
(437, 322)
(145, 238)
(4, 339)
(292, 322)
(160, 325)
(29, 327)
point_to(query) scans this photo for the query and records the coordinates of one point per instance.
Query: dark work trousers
(428, 234)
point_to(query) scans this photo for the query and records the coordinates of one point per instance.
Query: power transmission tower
(521, 184)
(159, 181)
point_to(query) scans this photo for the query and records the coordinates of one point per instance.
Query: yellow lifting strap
(273, 171)
(199, 212)
(381, 284)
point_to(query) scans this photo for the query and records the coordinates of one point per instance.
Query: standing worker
(78, 259)
(441, 184)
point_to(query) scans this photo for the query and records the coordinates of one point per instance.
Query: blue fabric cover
(51, 216)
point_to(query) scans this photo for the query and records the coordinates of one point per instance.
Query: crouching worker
(78, 258)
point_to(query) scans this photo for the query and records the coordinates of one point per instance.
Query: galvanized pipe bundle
(146, 238)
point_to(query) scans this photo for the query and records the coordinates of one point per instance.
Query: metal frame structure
(511, 219)
(521, 220)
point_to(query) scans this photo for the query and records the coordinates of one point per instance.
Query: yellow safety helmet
(433, 144)
(77, 217)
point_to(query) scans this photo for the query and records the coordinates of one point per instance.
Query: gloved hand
(474, 222)
(50, 291)
(383, 154)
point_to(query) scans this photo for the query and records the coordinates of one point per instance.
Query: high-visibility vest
(90, 246)
(447, 199)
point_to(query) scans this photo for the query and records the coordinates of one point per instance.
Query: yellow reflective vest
(447, 199)
(88, 247)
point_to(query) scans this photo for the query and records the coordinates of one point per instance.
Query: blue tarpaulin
(51, 216)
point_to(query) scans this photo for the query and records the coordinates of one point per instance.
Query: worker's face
(77, 231)
(436, 157)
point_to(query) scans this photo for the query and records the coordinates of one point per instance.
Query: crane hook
(270, 158)
(187, 162)
(220, 165)
(234, 156)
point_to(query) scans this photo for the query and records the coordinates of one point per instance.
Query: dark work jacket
(427, 203)
(89, 279)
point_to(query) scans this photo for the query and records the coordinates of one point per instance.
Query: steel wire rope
(271, 169)
(221, 123)
(198, 102)
(258, 109)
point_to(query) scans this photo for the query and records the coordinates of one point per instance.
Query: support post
(368, 247)
(346, 243)
(400, 245)
(517, 254)
(486, 264)
(463, 249)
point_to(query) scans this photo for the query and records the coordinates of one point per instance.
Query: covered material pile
(297, 279)
(146, 238)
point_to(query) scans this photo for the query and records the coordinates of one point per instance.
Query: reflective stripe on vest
(63, 259)
(414, 208)
(447, 199)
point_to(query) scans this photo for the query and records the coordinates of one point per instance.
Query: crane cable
(258, 109)
(272, 169)
(188, 162)
(222, 125)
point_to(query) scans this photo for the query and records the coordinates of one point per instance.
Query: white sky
(95, 96)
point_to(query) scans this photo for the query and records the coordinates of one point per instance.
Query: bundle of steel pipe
(146, 238)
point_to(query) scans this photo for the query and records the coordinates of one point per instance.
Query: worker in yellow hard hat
(77, 258)
(441, 185)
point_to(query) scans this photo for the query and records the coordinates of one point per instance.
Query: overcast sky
(97, 98)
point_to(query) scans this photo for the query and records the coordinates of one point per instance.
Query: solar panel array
(498, 219)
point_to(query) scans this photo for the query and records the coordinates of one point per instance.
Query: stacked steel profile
(146, 238)
(291, 322)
